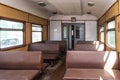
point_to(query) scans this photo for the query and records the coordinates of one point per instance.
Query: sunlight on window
(11, 33)
(102, 33)
(110, 59)
(111, 34)
(36, 33)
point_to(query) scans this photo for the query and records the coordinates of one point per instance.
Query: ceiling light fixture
(42, 4)
(91, 3)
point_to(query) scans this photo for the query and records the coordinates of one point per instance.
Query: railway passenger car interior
(59, 39)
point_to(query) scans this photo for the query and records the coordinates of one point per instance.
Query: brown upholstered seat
(20, 60)
(19, 65)
(92, 59)
(85, 47)
(89, 47)
(91, 74)
(62, 45)
(18, 74)
(87, 42)
(50, 52)
(92, 65)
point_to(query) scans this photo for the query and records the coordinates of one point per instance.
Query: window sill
(110, 47)
(10, 48)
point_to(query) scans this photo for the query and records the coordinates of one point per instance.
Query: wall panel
(20, 49)
(102, 20)
(90, 29)
(55, 30)
(113, 11)
(45, 33)
(119, 6)
(118, 33)
(37, 20)
(12, 13)
(28, 33)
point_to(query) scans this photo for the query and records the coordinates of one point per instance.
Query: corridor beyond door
(72, 32)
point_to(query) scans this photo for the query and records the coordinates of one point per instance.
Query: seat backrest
(21, 60)
(85, 47)
(62, 44)
(92, 59)
(87, 42)
(43, 47)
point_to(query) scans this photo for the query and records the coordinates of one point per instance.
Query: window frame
(36, 31)
(10, 29)
(113, 29)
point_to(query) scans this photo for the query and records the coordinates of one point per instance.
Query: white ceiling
(76, 7)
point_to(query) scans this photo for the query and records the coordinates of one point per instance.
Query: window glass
(102, 28)
(102, 36)
(10, 24)
(36, 33)
(111, 38)
(111, 24)
(111, 33)
(36, 29)
(102, 33)
(36, 36)
(65, 32)
(11, 33)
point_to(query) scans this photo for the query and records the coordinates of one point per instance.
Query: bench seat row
(89, 46)
(51, 50)
(92, 65)
(20, 65)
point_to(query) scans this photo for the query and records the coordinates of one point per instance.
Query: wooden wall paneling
(37, 20)
(113, 11)
(19, 49)
(118, 34)
(102, 19)
(105, 35)
(46, 22)
(28, 33)
(98, 32)
(45, 32)
(119, 5)
(12, 13)
(109, 49)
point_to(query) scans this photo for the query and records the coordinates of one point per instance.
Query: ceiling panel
(67, 7)
(76, 7)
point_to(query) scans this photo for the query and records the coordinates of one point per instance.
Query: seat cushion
(18, 74)
(91, 74)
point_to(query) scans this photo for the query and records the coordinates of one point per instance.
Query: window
(111, 33)
(36, 33)
(102, 33)
(11, 33)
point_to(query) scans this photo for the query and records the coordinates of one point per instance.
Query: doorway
(72, 32)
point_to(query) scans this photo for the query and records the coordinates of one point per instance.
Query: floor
(55, 73)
